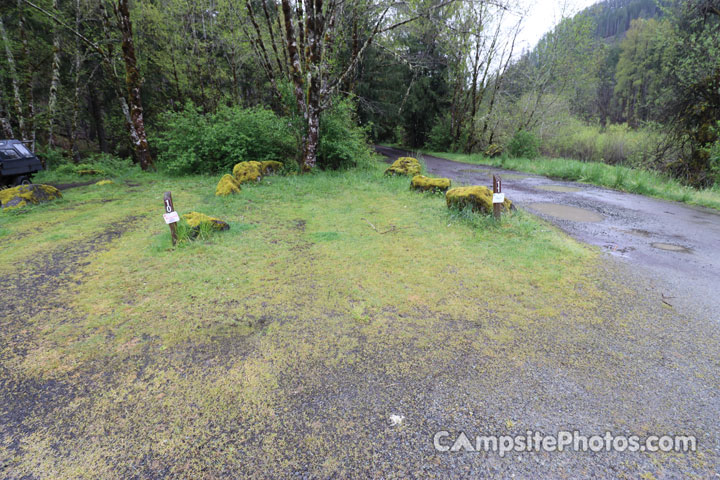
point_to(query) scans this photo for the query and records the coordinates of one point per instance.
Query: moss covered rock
(247, 172)
(493, 150)
(477, 197)
(227, 186)
(24, 194)
(427, 184)
(405, 166)
(197, 220)
(270, 166)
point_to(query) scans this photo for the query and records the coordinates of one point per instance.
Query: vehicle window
(10, 154)
(23, 150)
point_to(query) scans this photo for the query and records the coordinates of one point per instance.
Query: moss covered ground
(283, 345)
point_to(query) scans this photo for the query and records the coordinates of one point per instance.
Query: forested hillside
(614, 17)
(194, 86)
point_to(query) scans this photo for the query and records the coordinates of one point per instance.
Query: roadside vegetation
(628, 179)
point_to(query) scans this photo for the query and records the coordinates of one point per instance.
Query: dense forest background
(195, 86)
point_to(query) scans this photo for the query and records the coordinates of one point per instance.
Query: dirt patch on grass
(67, 186)
(29, 290)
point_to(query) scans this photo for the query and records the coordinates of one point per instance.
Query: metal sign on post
(171, 216)
(498, 197)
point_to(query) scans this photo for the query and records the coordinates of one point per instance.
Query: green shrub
(715, 161)
(343, 144)
(524, 145)
(53, 157)
(192, 142)
(440, 138)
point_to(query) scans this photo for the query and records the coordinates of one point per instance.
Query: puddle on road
(566, 212)
(670, 247)
(558, 188)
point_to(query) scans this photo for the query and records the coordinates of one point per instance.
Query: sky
(543, 15)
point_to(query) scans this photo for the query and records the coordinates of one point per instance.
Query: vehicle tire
(22, 180)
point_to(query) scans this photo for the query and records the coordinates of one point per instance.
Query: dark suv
(17, 163)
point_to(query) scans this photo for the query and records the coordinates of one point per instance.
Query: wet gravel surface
(675, 245)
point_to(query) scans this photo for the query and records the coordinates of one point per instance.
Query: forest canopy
(192, 86)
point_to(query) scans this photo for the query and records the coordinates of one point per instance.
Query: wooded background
(194, 85)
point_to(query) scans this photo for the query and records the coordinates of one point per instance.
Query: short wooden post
(498, 197)
(171, 216)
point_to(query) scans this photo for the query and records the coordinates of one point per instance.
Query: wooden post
(171, 216)
(497, 205)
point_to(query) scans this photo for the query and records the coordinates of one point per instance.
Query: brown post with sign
(497, 188)
(170, 208)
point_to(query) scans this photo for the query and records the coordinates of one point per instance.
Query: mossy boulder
(269, 167)
(24, 194)
(493, 150)
(248, 172)
(196, 220)
(405, 166)
(227, 186)
(427, 184)
(479, 198)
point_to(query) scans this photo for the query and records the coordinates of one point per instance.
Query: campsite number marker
(171, 216)
(498, 197)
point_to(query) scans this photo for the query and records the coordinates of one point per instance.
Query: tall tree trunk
(133, 82)
(5, 118)
(17, 99)
(30, 120)
(55, 82)
(96, 111)
(73, 147)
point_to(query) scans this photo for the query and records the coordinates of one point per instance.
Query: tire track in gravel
(27, 291)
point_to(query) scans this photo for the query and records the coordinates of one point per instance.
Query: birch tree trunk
(30, 133)
(74, 150)
(5, 119)
(310, 31)
(55, 81)
(133, 82)
(17, 99)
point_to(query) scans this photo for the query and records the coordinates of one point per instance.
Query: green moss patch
(478, 198)
(427, 184)
(408, 166)
(22, 195)
(270, 167)
(248, 172)
(198, 220)
(227, 185)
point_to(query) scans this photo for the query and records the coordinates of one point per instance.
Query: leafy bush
(440, 138)
(193, 143)
(615, 145)
(343, 144)
(715, 160)
(524, 145)
(53, 157)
